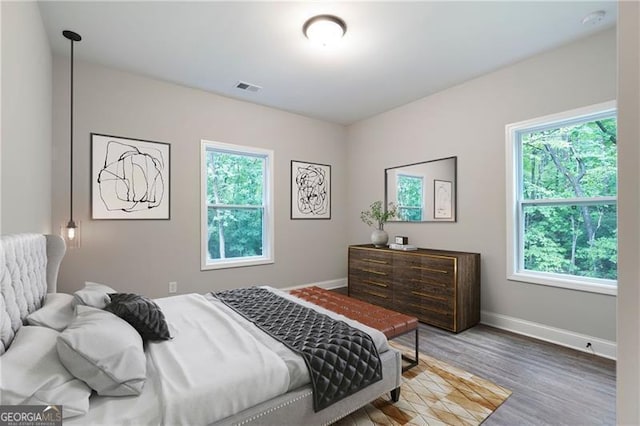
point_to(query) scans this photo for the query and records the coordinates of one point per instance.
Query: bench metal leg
(412, 362)
(395, 394)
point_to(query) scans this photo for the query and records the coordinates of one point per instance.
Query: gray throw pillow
(32, 374)
(56, 313)
(104, 351)
(93, 294)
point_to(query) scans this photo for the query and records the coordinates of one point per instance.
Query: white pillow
(33, 375)
(104, 351)
(57, 312)
(93, 294)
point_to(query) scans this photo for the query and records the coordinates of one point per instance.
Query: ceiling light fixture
(324, 29)
(71, 231)
(594, 18)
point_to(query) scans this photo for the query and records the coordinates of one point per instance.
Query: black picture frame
(130, 178)
(310, 190)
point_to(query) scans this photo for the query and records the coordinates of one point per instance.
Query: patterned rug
(433, 393)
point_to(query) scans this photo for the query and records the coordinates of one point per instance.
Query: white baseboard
(570, 339)
(558, 336)
(327, 285)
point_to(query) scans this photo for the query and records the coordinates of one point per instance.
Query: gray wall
(25, 171)
(143, 256)
(628, 409)
(469, 121)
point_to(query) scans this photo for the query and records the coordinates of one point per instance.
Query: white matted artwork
(130, 178)
(442, 206)
(310, 190)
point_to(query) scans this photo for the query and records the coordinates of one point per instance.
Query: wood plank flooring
(551, 384)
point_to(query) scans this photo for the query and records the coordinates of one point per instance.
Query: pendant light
(71, 231)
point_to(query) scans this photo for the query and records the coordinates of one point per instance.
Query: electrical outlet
(173, 287)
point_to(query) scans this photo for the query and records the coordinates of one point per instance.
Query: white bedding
(217, 364)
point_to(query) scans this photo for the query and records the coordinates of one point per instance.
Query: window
(237, 205)
(561, 200)
(410, 196)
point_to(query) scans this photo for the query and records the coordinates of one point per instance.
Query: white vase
(379, 238)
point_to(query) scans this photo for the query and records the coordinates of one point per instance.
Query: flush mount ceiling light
(324, 29)
(594, 18)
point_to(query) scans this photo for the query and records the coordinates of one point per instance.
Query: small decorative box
(401, 240)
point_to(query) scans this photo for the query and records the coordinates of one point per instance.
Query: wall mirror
(423, 192)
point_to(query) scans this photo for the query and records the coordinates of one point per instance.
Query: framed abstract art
(310, 190)
(130, 178)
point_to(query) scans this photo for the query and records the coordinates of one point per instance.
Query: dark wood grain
(441, 288)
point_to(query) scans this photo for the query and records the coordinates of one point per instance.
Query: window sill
(236, 263)
(591, 285)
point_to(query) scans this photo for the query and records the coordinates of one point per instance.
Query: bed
(217, 368)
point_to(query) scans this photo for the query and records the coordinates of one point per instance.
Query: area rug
(433, 393)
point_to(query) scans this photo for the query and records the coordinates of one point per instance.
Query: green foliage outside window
(235, 196)
(410, 194)
(571, 162)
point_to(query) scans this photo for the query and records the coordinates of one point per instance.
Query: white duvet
(216, 365)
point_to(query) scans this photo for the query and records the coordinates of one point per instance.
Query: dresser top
(419, 251)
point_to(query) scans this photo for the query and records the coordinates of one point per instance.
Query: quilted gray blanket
(341, 359)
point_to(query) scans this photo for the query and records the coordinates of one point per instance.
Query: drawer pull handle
(373, 293)
(416, 280)
(430, 296)
(382, 262)
(424, 268)
(424, 308)
(374, 272)
(375, 283)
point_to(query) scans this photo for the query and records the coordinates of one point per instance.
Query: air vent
(243, 85)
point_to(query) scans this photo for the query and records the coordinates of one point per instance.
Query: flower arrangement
(377, 215)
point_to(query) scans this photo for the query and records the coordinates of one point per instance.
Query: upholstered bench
(391, 323)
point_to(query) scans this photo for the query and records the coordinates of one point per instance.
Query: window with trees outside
(237, 205)
(410, 197)
(562, 200)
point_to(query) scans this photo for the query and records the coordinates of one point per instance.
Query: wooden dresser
(441, 288)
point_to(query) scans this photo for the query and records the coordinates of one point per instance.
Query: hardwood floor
(551, 385)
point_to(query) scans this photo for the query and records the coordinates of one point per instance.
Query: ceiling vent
(243, 85)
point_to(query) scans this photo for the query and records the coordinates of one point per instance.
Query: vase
(379, 238)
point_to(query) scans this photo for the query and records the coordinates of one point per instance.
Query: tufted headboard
(29, 265)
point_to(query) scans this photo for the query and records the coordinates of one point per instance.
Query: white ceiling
(393, 52)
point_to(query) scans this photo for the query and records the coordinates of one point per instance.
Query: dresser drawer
(421, 293)
(371, 294)
(371, 256)
(437, 316)
(371, 282)
(427, 270)
(371, 261)
(362, 266)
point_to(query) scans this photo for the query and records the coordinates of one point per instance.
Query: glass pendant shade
(70, 232)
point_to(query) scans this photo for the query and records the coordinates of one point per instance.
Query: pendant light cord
(71, 144)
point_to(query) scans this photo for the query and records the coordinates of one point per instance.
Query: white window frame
(268, 233)
(515, 225)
